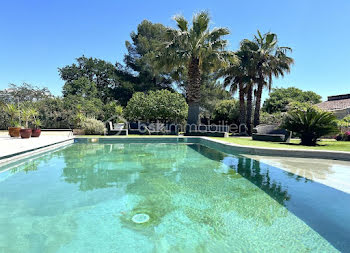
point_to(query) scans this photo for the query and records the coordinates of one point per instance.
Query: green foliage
(347, 118)
(90, 107)
(13, 113)
(271, 119)
(310, 124)
(99, 72)
(23, 93)
(112, 109)
(281, 98)
(93, 126)
(227, 111)
(26, 115)
(345, 122)
(157, 105)
(189, 52)
(142, 49)
(80, 87)
(37, 123)
(270, 61)
(54, 113)
(212, 93)
(78, 119)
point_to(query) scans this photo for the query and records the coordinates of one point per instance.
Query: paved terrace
(11, 146)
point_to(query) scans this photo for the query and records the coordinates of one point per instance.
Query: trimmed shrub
(93, 126)
(161, 105)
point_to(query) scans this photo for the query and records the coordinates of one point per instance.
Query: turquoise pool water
(164, 198)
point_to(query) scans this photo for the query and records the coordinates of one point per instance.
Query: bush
(310, 124)
(271, 119)
(227, 111)
(93, 126)
(280, 99)
(161, 105)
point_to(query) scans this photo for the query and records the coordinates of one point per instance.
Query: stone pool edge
(4, 160)
(212, 143)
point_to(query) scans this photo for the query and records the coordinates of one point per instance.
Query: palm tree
(234, 78)
(271, 61)
(240, 76)
(193, 51)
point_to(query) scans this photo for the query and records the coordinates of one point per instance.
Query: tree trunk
(193, 91)
(258, 103)
(308, 140)
(193, 114)
(249, 108)
(242, 110)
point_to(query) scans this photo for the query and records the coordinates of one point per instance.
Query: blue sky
(37, 37)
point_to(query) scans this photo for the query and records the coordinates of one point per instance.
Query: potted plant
(15, 127)
(78, 119)
(26, 116)
(36, 131)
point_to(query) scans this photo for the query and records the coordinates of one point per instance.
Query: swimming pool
(165, 197)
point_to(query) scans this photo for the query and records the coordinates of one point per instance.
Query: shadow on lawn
(298, 144)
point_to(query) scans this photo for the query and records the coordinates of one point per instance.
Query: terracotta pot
(25, 133)
(14, 131)
(36, 132)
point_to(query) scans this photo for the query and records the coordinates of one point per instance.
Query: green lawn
(322, 145)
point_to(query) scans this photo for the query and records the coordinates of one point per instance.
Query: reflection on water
(249, 169)
(198, 200)
(325, 209)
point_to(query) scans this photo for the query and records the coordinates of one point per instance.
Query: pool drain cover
(140, 218)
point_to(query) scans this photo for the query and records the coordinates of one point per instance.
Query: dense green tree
(212, 93)
(191, 51)
(141, 50)
(112, 109)
(90, 107)
(280, 98)
(227, 111)
(271, 119)
(80, 87)
(59, 112)
(53, 113)
(100, 72)
(160, 105)
(23, 93)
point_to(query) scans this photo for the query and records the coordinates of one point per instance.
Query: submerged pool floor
(164, 198)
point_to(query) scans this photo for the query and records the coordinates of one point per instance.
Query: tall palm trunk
(242, 110)
(193, 91)
(249, 107)
(258, 102)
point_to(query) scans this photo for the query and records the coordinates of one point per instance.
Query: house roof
(332, 105)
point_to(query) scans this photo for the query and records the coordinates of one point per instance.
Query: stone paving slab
(335, 174)
(13, 146)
